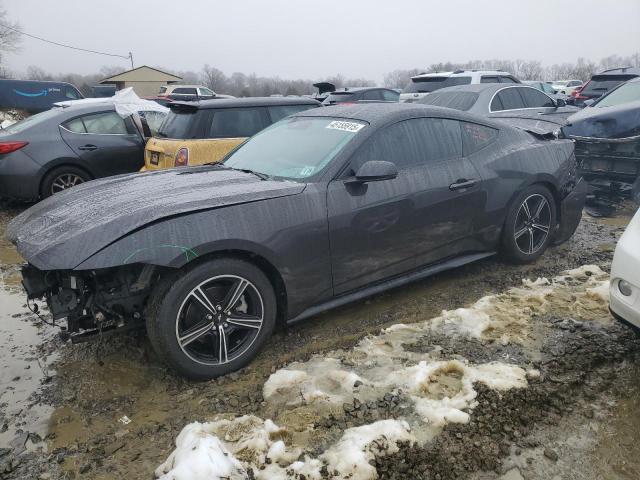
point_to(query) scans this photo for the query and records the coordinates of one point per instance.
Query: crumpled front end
(94, 303)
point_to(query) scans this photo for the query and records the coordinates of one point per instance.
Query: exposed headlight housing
(625, 288)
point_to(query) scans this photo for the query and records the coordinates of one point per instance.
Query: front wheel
(530, 225)
(213, 319)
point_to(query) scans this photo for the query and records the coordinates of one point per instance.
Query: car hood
(619, 121)
(64, 230)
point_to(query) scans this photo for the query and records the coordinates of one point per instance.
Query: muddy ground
(111, 410)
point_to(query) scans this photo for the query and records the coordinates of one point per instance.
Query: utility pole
(131, 58)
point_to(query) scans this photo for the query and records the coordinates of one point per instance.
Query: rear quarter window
(475, 137)
(507, 99)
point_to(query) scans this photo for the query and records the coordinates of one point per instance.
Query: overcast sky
(316, 39)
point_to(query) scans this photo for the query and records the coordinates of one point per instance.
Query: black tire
(177, 309)
(61, 178)
(523, 236)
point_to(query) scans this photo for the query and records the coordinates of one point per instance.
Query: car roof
(620, 71)
(357, 89)
(461, 72)
(480, 87)
(379, 114)
(181, 85)
(243, 102)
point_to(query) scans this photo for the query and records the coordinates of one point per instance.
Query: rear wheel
(530, 225)
(62, 178)
(213, 319)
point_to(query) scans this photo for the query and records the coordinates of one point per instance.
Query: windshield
(29, 122)
(629, 92)
(458, 100)
(295, 148)
(429, 84)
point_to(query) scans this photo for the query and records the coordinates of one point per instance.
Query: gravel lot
(112, 410)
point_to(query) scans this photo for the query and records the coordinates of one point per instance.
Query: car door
(106, 142)
(381, 229)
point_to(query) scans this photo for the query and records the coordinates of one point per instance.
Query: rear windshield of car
(295, 148)
(180, 124)
(457, 100)
(338, 97)
(629, 92)
(430, 84)
(599, 85)
(29, 122)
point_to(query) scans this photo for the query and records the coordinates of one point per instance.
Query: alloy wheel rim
(532, 224)
(219, 320)
(65, 181)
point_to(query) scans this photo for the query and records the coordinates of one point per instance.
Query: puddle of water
(616, 453)
(21, 372)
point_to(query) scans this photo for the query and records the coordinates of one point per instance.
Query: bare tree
(400, 78)
(9, 39)
(36, 73)
(213, 78)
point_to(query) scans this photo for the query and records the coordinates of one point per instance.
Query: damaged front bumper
(610, 165)
(94, 303)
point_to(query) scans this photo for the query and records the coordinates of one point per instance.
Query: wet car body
(322, 241)
(607, 136)
(518, 105)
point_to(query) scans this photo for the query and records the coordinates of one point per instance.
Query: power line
(127, 57)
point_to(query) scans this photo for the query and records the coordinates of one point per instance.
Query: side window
(279, 112)
(106, 123)
(390, 96)
(489, 79)
(184, 91)
(76, 126)
(510, 99)
(71, 93)
(372, 95)
(475, 137)
(534, 98)
(237, 122)
(506, 79)
(205, 92)
(413, 142)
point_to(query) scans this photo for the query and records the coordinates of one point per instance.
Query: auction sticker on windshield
(345, 126)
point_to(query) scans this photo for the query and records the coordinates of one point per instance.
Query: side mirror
(560, 103)
(376, 171)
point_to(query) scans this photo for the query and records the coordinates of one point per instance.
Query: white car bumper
(626, 267)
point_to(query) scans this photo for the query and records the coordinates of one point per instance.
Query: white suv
(426, 83)
(186, 92)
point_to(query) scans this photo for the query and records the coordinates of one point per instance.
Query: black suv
(603, 82)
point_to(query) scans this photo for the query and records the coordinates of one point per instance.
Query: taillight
(576, 93)
(182, 158)
(8, 147)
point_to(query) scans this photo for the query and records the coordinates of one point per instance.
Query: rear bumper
(19, 176)
(571, 212)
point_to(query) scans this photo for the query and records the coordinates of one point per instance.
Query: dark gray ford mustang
(320, 209)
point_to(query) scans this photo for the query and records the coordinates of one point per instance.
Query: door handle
(88, 147)
(462, 183)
